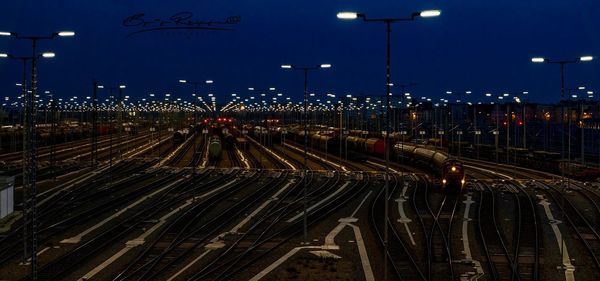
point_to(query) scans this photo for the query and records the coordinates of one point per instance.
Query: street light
(195, 94)
(562, 64)
(453, 126)
(28, 137)
(538, 60)
(30, 148)
(66, 33)
(109, 109)
(347, 15)
(266, 124)
(388, 22)
(305, 69)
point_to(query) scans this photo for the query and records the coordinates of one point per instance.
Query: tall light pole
(579, 98)
(110, 109)
(195, 106)
(562, 64)
(120, 117)
(405, 98)
(27, 144)
(94, 152)
(262, 93)
(459, 94)
(30, 147)
(508, 120)
(305, 69)
(52, 132)
(195, 94)
(388, 23)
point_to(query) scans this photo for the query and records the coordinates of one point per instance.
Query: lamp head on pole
(347, 15)
(538, 60)
(430, 13)
(66, 33)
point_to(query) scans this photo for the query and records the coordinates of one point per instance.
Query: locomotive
(180, 136)
(450, 170)
(214, 148)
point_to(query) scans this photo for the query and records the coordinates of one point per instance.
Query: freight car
(269, 137)
(375, 146)
(331, 145)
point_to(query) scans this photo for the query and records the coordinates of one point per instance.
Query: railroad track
(588, 236)
(579, 227)
(72, 145)
(61, 266)
(65, 202)
(527, 247)
(233, 158)
(81, 151)
(71, 216)
(593, 198)
(441, 247)
(311, 154)
(63, 162)
(279, 237)
(198, 154)
(255, 163)
(246, 238)
(501, 264)
(436, 226)
(191, 230)
(403, 263)
(178, 159)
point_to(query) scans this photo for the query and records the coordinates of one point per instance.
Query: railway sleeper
(439, 251)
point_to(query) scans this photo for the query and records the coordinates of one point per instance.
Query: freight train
(356, 148)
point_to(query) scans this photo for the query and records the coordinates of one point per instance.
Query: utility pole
(94, 152)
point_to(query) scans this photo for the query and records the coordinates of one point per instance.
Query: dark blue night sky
(475, 45)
